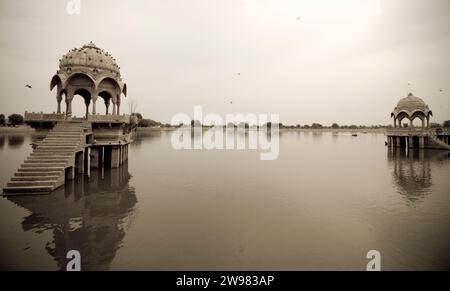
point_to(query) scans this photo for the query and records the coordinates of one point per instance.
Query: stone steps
(53, 148)
(56, 146)
(64, 144)
(41, 169)
(46, 160)
(47, 151)
(38, 174)
(62, 132)
(44, 165)
(438, 144)
(30, 183)
(68, 138)
(35, 178)
(67, 128)
(27, 190)
(69, 133)
(62, 136)
(44, 169)
(65, 134)
(59, 142)
(50, 153)
(55, 152)
(47, 157)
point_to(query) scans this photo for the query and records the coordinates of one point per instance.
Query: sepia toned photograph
(227, 140)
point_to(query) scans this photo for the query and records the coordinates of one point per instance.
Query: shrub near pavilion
(15, 119)
(2, 120)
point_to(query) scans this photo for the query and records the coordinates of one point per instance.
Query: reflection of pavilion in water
(87, 215)
(412, 171)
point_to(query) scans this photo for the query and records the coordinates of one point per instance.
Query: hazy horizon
(309, 61)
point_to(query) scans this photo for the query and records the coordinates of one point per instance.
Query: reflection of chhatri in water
(412, 171)
(87, 215)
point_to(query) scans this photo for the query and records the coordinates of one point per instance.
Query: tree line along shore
(15, 123)
(145, 123)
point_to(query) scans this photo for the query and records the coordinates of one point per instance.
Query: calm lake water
(322, 205)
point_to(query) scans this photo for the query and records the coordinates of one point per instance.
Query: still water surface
(326, 201)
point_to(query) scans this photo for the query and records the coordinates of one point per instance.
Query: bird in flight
(28, 86)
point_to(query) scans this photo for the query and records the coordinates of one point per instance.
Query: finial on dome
(410, 94)
(91, 44)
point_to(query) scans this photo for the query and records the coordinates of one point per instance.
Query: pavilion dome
(89, 58)
(91, 67)
(411, 105)
(91, 73)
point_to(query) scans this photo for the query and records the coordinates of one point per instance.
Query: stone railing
(408, 131)
(54, 117)
(433, 131)
(440, 131)
(32, 116)
(110, 118)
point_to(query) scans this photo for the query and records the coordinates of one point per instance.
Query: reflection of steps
(44, 169)
(437, 143)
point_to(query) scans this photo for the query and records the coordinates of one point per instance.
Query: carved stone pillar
(58, 100)
(107, 101)
(87, 101)
(69, 98)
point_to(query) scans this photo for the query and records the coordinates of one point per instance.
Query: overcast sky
(309, 61)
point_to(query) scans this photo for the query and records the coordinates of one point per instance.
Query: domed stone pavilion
(73, 146)
(91, 73)
(411, 107)
(408, 136)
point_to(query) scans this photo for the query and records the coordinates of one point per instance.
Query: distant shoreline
(352, 130)
(25, 129)
(362, 130)
(19, 129)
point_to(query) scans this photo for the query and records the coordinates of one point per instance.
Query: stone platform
(72, 146)
(418, 138)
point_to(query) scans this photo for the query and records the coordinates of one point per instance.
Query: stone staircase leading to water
(44, 170)
(437, 143)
